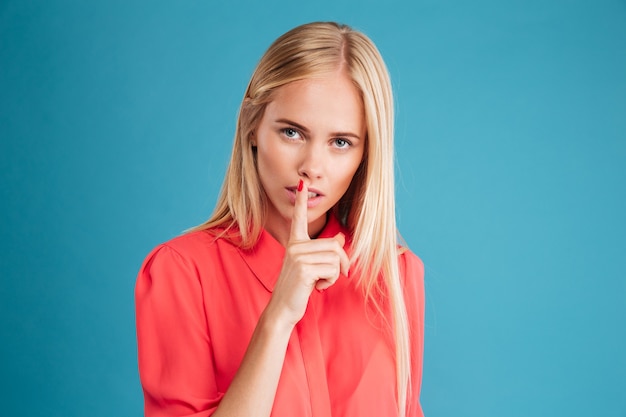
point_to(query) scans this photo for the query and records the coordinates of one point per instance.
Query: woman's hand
(308, 264)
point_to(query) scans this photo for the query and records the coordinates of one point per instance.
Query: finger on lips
(299, 224)
(300, 230)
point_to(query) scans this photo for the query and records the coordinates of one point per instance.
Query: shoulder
(411, 269)
(189, 244)
(187, 252)
(410, 263)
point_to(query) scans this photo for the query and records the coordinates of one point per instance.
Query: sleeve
(412, 271)
(174, 350)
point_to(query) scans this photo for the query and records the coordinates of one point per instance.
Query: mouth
(311, 194)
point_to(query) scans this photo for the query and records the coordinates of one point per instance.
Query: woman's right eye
(290, 133)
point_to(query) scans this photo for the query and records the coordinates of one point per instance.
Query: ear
(252, 139)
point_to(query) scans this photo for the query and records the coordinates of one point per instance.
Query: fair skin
(313, 131)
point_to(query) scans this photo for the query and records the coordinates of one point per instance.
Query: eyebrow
(307, 131)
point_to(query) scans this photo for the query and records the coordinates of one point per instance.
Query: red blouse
(199, 299)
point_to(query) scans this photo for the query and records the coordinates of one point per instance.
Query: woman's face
(312, 130)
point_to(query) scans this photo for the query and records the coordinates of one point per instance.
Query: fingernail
(300, 185)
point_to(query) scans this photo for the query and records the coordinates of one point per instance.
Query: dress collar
(265, 258)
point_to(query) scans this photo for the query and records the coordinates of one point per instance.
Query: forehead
(330, 102)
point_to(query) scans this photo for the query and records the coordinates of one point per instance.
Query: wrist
(275, 324)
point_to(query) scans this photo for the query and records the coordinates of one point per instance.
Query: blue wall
(116, 119)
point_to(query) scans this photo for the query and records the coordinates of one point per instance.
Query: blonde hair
(368, 207)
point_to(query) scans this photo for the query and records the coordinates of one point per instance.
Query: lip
(311, 202)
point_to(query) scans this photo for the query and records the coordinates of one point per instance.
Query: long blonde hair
(368, 207)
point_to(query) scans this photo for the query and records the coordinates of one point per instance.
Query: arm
(175, 355)
(174, 349)
(308, 264)
(253, 389)
(412, 271)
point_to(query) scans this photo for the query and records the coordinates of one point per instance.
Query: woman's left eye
(341, 143)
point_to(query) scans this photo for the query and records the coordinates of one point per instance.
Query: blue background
(116, 121)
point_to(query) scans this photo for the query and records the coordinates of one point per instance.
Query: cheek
(344, 181)
(270, 162)
(263, 166)
(354, 167)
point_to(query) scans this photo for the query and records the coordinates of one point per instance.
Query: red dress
(198, 300)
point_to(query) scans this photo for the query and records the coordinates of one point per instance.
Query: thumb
(341, 238)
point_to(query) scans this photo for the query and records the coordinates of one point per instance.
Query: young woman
(294, 298)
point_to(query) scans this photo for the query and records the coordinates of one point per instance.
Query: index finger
(299, 223)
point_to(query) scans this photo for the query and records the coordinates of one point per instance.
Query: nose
(311, 163)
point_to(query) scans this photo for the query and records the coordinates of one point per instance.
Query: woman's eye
(341, 143)
(291, 133)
